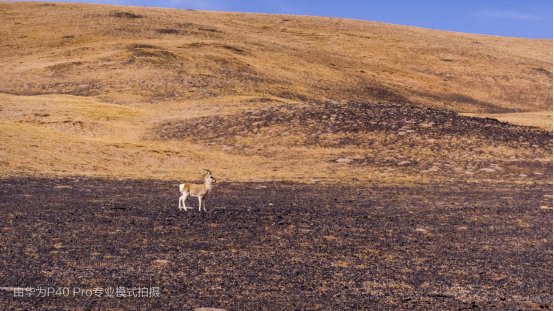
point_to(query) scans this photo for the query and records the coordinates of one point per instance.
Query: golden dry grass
(83, 85)
(541, 119)
(166, 55)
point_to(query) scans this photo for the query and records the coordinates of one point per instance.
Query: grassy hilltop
(163, 93)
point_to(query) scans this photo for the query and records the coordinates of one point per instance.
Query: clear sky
(512, 18)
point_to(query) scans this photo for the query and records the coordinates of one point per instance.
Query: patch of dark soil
(262, 100)
(127, 15)
(210, 30)
(231, 48)
(168, 31)
(542, 71)
(354, 120)
(143, 46)
(78, 88)
(276, 246)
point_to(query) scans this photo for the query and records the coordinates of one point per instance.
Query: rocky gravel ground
(356, 121)
(274, 246)
(388, 139)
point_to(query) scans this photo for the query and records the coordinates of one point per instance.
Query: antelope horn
(208, 171)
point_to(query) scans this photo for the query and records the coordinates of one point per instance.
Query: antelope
(195, 190)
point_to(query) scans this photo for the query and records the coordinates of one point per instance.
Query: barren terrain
(278, 246)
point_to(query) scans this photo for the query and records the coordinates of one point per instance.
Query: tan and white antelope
(195, 190)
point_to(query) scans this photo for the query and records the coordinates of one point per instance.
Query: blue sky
(512, 18)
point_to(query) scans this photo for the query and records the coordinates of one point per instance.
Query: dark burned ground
(355, 120)
(382, 138)
(278, 246)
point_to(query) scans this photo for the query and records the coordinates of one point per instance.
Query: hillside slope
(134, 54)
(116, 91)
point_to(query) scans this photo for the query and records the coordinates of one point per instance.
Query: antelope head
(209, 176)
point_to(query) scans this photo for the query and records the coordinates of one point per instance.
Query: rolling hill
(162, 93)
